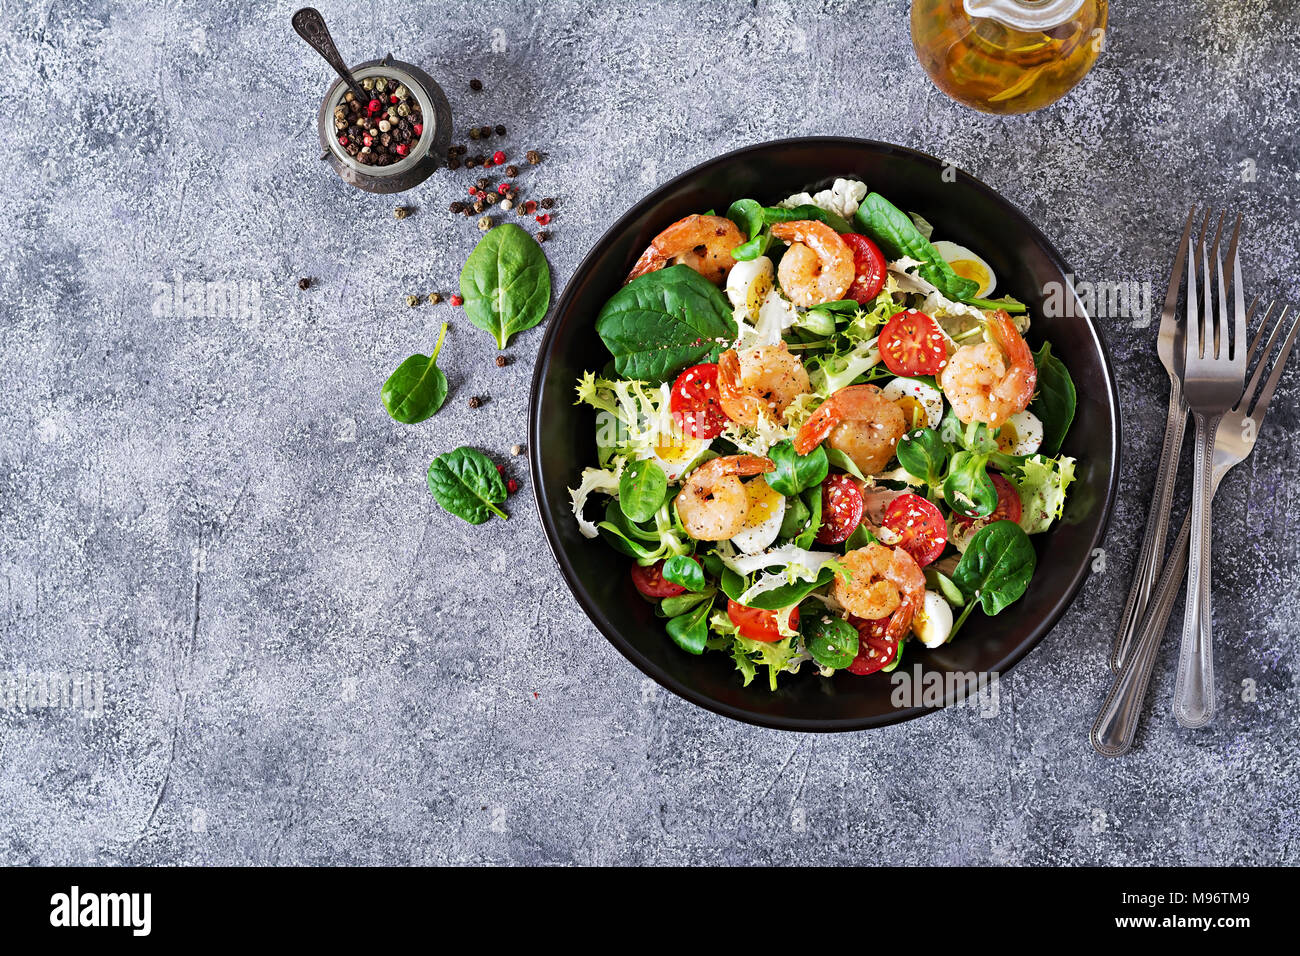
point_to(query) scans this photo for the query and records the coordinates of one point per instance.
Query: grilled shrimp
(713, 504)
(759, 382)
(991, 381)
(860, 422)
(883, 582)
(702, 242)
(818, 267)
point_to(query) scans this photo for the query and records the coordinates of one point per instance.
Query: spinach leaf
(860, 538)
(642, 489)
(732, 583)
(681, 603)
(795, 472)
(467, 483)
(418, 388)
(506, 283)
(843, 462)
(1006, 303)
(831, 640)
(1055, 402)
(663, 321)
(997, 566)
(796, 517)
(775, 214)
(684, 571)
(690, 631)
(812, 499)
(792, 593)
(968, 487)
(897, 235)
(747, 214)
(923, 454)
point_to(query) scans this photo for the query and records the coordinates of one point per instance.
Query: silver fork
(1214, 370)
(1169, 346)
(1116, 725)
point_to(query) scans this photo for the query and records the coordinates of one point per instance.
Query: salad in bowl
(819, 436)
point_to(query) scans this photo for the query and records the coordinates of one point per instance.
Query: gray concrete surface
(304, 661)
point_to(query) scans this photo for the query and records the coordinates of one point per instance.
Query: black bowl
(563, 436)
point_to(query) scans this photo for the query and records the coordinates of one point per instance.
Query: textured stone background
(306, 662)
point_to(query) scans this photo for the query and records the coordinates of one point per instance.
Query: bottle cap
(1027, 15)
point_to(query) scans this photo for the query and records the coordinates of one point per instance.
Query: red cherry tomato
(870, 268)
(1008, 508)
(911, 344)
(920, 526)
(649, 580)
(875, 649)
(841, 509)
(695, 403)
(759, 625)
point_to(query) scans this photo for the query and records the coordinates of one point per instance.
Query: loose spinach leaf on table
(641, 489)
(663, 321)
(1055, 401)
(506, 283)
(996, 567)
(417, 388)
(467, 483)
(795, 472)
(896, 234)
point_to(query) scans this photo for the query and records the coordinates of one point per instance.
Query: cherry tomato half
(649, 580)
(875, 648)
(759, 625)
(911, 344)
(869, 266)
(695, 402)
(841, 509)
(919, 525)
(1009, 506)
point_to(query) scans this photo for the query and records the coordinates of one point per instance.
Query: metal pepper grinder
(431, 146)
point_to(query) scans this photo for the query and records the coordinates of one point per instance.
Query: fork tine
(1192, 347)
(1259, 365)
(1213, 340)
(1238, 298)
(1261, 404)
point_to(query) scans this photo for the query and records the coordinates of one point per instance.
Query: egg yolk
(1007, 438)
(757, 294)
(913, 411)
(762, 502)
(676, 451)
(970, 269)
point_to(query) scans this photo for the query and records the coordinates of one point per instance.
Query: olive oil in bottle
(1007, 56)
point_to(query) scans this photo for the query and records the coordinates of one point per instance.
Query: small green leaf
(812, 499)
(467, 483)
(923, 454)
(417, 388)
(690, 631)
(1055, 400)
(795, 472)
(685, 572)
(681, 603)
(968, 489)
(831, 640)
(506, 283)
(642, 489)
(940, 582)
(996, 567)
(843, 462)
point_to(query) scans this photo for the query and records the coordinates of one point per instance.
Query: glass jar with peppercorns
(394, 139)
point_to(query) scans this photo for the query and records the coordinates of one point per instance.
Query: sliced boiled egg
(763, 523)
(748, 284)
(968, 265)
(1021, 434)
(933, 622)
(921, 402)
(676, 453)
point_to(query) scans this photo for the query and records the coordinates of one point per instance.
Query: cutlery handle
(310, 25)
(1117, 721)
(1194, 690)
(1153, 541)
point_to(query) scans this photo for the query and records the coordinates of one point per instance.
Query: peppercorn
(368, 83)
(453, 164)
(457, 301)
(491, 199)
(476, 84)
(470, 162)
(479, 205)
(485, 224)
(533, 157)
(547, 203)
(473, 132)
(474, 402)
(483, 182)
(543, 236)
(516, 449)
(511, 486)
(501, 361)
(512, 170)
(485, 132)
(507, 205)
(501, 130)
(304, 283)
(413, 300)
(498, 157)
(457, 207)
(401, 212)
